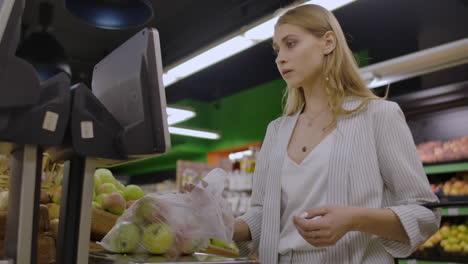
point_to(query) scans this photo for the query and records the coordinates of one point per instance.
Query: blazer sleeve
(253, 216)
(406, 184)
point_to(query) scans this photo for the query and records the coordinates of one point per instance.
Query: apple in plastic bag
(188, 245)
(123, 238)
(219, 243)
(158, 238)
(149, 210)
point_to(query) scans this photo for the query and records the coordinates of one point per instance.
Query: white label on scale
(50, 121)
(87, 129)
(453, 211)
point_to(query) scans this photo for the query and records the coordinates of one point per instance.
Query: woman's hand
(333, 224)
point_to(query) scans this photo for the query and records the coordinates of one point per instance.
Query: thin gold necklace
(311, 120)
(310, 123)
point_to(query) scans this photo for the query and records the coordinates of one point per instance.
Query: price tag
(412, 261)
(453, 211)
(50, 121)
(87, 129)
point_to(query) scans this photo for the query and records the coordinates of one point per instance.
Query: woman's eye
(291, 44)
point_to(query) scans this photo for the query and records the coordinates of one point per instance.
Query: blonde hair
(340, 70)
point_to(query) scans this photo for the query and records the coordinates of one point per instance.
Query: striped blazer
(373, 164)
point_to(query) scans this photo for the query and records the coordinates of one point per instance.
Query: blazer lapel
(270, 240)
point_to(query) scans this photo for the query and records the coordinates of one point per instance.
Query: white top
(303, 187)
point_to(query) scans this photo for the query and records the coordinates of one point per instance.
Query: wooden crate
(44, 223)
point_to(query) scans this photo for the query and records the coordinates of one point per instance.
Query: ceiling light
(329, 4)
(416, 64)
(238, 42)
(111, 14)
(209, 57)
(263, 31)
(178, 115)
(193, 133)
(239, 155)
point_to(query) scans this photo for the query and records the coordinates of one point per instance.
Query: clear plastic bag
(173, 224)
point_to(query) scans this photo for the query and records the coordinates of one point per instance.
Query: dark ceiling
(383, 28)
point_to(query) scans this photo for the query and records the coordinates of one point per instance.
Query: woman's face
(299, 54)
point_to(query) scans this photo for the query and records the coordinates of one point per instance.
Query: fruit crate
(46, 242)
(101, 223)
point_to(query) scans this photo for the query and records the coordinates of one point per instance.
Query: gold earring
(327, 79)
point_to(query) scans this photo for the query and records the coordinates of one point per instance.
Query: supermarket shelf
(414, 261)
(455, 211)
(446, 168)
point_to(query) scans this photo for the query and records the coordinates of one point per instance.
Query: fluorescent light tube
(240, 154)
(207, 58)
(193, 133)
(416, 64)
(178, 115)
(241, 41)
(263, 31)
(329, 4)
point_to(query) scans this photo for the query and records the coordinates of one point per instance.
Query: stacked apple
(111, 195)
(456, 186)
(454, 237)
(438, 151)
(432, 241)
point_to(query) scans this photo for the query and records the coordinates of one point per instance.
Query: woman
(338, 178)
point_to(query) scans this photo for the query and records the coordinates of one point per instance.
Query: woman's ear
(330, 42)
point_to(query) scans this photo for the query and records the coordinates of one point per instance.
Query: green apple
(114, 203)
(96, 205)
(97, 181)
(133, 192)
(120, 187)
(107, 188)
(158, 238)
(189, 245)
(148, 210)
(234, 247)
(99, 199)
(219, 243)
(105, 176)
(123, 238)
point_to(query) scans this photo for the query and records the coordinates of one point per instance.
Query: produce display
(4, 182)
(111, 195)
(439, 151)
(456, 188)
(51, 187)
(174, 224)
(452, 238)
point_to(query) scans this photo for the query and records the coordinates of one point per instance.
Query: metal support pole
(23, 205)
(75, 211)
